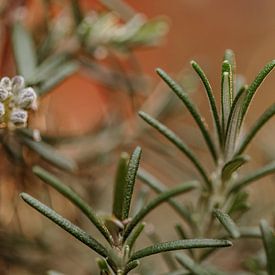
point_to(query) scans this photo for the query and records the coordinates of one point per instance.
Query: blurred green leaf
(189, 264)
(50, 154)
(269, 245)
(57, 76)
(24, 50)
(227, 223)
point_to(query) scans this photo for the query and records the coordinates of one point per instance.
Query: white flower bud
(4, 94)
(2, 109)
(27, 98)
(5, 83)
(19, 117)
(18, 83)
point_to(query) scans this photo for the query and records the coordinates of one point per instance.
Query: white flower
(26, 98)
(19, 117)
(15, 100)
(5, 83)
(17, 83)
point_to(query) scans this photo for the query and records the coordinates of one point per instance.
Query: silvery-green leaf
(24, 50)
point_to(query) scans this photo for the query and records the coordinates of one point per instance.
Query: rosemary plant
(121, 229)
(222, 197)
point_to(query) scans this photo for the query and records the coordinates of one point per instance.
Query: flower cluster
(15, 101)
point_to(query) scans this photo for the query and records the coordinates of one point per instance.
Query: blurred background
(91, 116)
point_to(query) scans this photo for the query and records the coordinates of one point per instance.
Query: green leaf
(191, 108)
(149, 34)
(158, 187)
(268, 114)
(180, 244)
(47, 68)
(74, 230)
(164, 196)
(131, 239)
(227, 94)
(230, 57)
(233, 126)
(24, 50)
(211, 99)
(250, 232)
(269, 245)
(227, 223)
(57, 77)
(130, 266)
(125, 11)
(130, 182)
(74, 198)
(50, 154)
(253, 176)
(231, 166)
(170, 135)
(189, 264)
(254, 86)
(120, 183)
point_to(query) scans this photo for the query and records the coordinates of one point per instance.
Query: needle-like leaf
(74, 198)
(170, 135)
(226, 98)
(74, 230)
(254, 86)
(157, 201)
(192, 109)
(130, 182)
(227, 223)
(130, 241)
(264, 118)
(178, 245)
(233, 126)
(262, 172)
(211, 99)
(189, 264)
(230, 57)
(51, 155)
(130, 266)
(120, 183)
